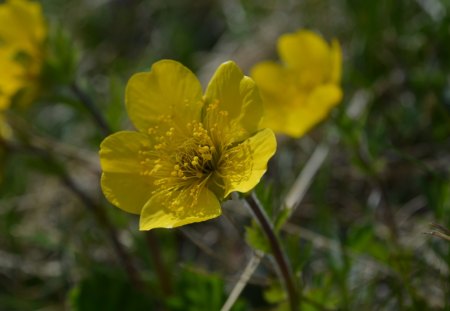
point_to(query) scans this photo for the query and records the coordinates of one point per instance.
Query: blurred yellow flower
(5, 129)
(22, 35)
(300, 92)
(190, 151)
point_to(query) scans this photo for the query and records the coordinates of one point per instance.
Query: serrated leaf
(281, 219)
(275, 293)
(256, 238)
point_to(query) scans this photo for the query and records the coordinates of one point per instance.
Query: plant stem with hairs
(277, 251)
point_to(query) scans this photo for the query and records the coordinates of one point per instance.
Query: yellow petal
(168, 91)
(4, 101)
(262, 147)
(336, 62)
(306, 53)
(119, 152)
(157, 214)
(22, 30)
(237, 95)
(10, 79)
(316, 108)
(122, 182)
(22, 24)
(276, 114)
(129, 192)
(273, 80)
(277, 91)
(5, 130)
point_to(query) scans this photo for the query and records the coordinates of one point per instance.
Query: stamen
(184, 158)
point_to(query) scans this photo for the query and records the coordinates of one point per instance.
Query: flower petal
(237, 95)
(10, 78)
(119, 152)
(156, 213)
(262, 147)
(314, 110)
(122, 182)
(129, 192)
(6, 132)
(22, 24)
(336, 62)
(277, 112)
(306, 53)
(278, 91)
(169, 91)
(272, 80)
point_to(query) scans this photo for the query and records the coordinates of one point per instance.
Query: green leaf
(256, 238)
(108, 290)
(62, 57)
(275, 293)
(199, 290)
(281, 219)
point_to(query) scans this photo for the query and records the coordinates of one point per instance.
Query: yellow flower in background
(190, 151)
(5, 129)
(10, 78)
(22, 36)
(300, 92)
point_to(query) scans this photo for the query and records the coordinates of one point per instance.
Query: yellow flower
(190, 151)
(22, 35)
(301, 91)
(5, 130)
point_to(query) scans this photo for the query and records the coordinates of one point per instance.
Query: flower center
(184, 160)
(180, 163)
(196, 156)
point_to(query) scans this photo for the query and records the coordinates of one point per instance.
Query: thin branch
(96, 208)
(278, 254)
(440, 228)
(439, 234)
(303, 181)
(195, 238)
(243, 280)
(439, 231)
(90, 106)
(103, 219)
(27, 135)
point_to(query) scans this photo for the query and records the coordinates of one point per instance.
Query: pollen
(181, 163)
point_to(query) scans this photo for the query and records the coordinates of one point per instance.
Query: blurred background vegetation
(357, 239)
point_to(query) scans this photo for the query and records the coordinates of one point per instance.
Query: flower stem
(90, 106)
(278, 254)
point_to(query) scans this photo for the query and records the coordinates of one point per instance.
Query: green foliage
(388, 163)
(61, 58)
(362, 240)
(109, 290)
(197, 290)
(275, 294)
(256, 238)
(437, 190)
